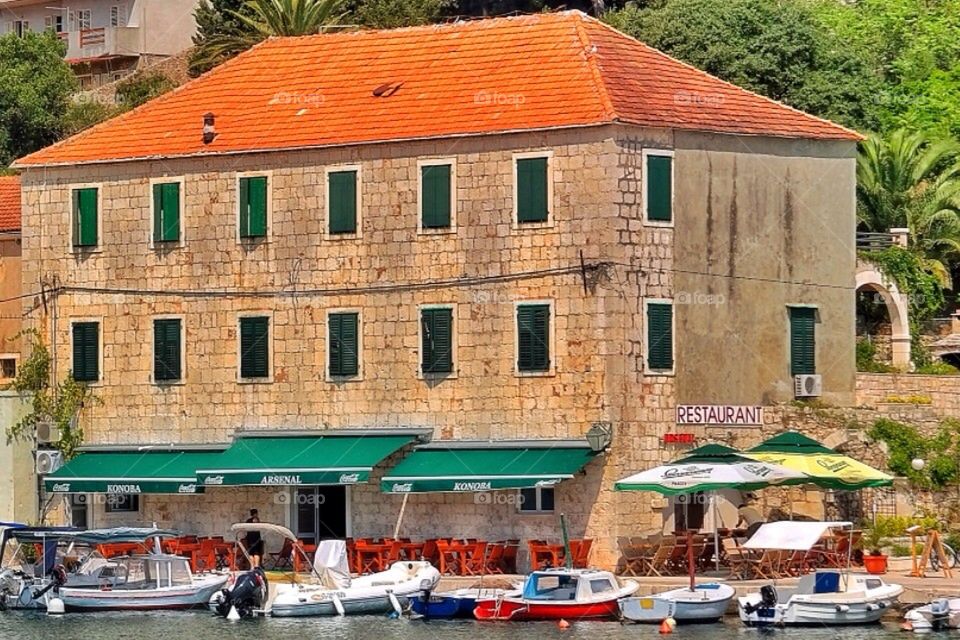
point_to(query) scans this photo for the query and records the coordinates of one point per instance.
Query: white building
(106, 39)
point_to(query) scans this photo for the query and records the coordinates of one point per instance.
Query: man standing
(254, 542)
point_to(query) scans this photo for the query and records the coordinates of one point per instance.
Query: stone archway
(871, 279)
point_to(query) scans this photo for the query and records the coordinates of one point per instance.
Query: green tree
(388, 14)
(35, 89)
(907, 179)
(255, 21)
(778, 49)
(143, 87)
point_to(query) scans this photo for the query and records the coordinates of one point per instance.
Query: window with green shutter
(85, 214)
(86, 351)
(166, 212)
(660, 336)
(344, 344)
(659, 188)
(533, 337)
(167, 365)
(253, 207)
(436, 340)
(342, 201)
(803, 344)
(532, 190)
(435, 187)
(255, 347)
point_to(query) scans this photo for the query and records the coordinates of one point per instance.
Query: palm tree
(908, 180)
(262, 19)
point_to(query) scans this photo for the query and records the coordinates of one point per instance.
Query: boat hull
(805, 614)
(166, 598)
(351, 606)
(519, 609)
(939, 615)
(457, 604)
(705, 603)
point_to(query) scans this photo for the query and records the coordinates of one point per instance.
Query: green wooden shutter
(85, 217)
(166, 212)
(253, 207)
(255, 347)
(660, 336)
(435, 196)
(533, 337)
(342, 201)
(803, 346)
(659, 188)
(166, 350)
(344, 344)
(532, 190)
(436, 331)
(86, 351)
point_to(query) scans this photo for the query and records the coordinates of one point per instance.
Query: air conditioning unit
(48, 433)
(48, 462)
(807, 386)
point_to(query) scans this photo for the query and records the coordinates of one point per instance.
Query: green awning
(131, 472)
(287, 460)
(466, 467)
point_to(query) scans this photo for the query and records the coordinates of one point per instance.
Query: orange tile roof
(486, 76)
(9, 203)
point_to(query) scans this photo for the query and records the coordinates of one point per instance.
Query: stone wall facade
(596, 261)
(941, 393)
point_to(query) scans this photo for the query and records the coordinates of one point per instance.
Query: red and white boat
(553, 594)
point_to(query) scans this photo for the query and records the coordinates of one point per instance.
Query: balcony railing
(870, 241)
(92, 37)
(102, 41)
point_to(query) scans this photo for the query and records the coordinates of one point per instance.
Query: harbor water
(201, 626)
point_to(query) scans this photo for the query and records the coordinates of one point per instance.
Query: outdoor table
(555, 551)
(411, 550)
(307, 548)
(371, 555)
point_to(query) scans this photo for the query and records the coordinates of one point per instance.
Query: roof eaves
(589, 52)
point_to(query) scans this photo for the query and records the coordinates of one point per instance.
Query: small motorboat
(938, 615)
(554, 594)
(451, 604)
(824, 598)
(247, 593)
(336, 593)
(702, 603)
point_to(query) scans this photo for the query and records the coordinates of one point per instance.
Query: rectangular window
(8, 368)
(85, 214)
(532, 190)
(253, 207)
(659, 188)
(533, 337)
(82, 18)
(660, 336)
(344, 344)
(803, 344)
(167, 354)
(255, 347)
(436, 344)
(118, 16)
(435, 189)
(78, 510)
(122, 503)
(86, 351)
(536, 499)
(19, 27)
(342, 201)
(166, 212)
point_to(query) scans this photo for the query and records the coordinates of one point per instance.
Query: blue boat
(450, 604)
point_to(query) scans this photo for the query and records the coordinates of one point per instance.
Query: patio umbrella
(710, 468)
(825, 467)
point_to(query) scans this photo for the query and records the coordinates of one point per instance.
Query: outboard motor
(249, 593)
(768, 600)
(939, 613)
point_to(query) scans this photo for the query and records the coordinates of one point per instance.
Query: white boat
(337, 593)
(29, 580)
(938, 615)
(823, 598)
(146, 583)
(706, 602)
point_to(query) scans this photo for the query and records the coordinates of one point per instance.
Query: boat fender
(872, 607)
(55, 607)
(234, 615)
(337, 604)
(665, 627)
(395, 603)
(842, 608)
(563, 624)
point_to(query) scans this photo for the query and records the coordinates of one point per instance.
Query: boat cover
(790, 535)
(330, 563)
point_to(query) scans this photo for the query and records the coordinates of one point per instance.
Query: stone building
(403, 275)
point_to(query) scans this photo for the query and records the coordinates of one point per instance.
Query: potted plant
(874, 560)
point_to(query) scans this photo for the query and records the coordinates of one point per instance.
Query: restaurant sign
(720, 414)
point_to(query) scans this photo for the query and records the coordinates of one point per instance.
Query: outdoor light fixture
(209, 128)
(600, 435)
(918, 464)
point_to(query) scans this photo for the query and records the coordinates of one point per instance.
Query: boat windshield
(547, 586)
(149, 571)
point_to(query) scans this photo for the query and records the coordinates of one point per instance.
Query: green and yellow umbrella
(824, 466)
